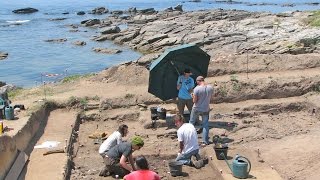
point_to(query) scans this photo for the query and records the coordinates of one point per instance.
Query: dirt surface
(51, 166)
(158, 149)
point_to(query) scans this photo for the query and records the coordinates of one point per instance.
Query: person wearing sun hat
(185, 85)
(116, 158)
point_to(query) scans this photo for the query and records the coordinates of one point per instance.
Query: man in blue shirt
(185, 85)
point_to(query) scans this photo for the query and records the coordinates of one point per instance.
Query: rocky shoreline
(232, 31)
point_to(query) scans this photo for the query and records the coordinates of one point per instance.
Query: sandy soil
(158, 149)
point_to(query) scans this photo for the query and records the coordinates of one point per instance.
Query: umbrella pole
(175, 67)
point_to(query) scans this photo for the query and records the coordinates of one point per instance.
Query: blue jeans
(186, 158)
(205, 123)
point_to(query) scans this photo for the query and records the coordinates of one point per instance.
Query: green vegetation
(75, 77)
(96, 98)
(128, 96)
(317, 88)
(236, 87)
(75, 101)
(14, 93)
(234, 78)
(314, 19)
(223, 90)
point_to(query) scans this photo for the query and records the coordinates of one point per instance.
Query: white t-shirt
(188, 134)
(114, 139)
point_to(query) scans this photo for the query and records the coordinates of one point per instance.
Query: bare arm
(131, 162)
(194, 98)
(178, 86)
(123, 163)
(181, 145)
(179, 83)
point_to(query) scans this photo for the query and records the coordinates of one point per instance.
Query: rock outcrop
(107, 51)
(99, 10)
(56, 40)
(81, 13)
(3, 55)
(90, 22)
(110, 30)
(79, 43)
(235, 31)
(25, 10)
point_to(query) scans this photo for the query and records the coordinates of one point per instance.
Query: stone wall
(9, 145)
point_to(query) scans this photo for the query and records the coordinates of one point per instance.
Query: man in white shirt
(114, 139)
(188, 143)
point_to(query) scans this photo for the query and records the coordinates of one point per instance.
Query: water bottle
(158, 108)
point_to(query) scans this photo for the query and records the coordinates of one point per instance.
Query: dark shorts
(182, 103)
(113, 166)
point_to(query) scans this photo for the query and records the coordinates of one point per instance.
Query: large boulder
(81, 13)
(25, 10)
(110, 30)
(147, 11)
(107, 51)
(90, 22)
(4, 92)
(117, 12)
(178, 8)
(56, 40)
(99, 10)
(79, 43)
(147, 59)
(2, 83)
(3, 55)
(132, 10)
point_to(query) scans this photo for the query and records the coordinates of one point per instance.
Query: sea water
(31, 58)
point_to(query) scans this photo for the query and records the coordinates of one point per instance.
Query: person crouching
(116, 157)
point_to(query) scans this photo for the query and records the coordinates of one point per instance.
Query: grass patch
(76, 77)
(129, 96)
(223, 90)
(234, 78)
(316, 88)
(236, 87)
(314, 19)
(14, 93)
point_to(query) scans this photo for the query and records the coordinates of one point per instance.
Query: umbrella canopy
(165, 70)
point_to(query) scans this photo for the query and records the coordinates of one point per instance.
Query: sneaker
(196, 163)
(205, 161)
(104, 173)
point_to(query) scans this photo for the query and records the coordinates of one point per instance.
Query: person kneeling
(188, 144)
(116, 157)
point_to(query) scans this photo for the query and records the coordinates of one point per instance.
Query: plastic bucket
(162, 114)
(218, 152)
(8, 112)
(153, 110)
(2, 112)
(175, 168)
(2, 101)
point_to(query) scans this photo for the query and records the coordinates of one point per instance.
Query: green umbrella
(165, 70)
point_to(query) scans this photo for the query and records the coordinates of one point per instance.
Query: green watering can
(240, 166)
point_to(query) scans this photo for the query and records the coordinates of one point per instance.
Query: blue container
(9, 113)
(2, 101)
(241, 167)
